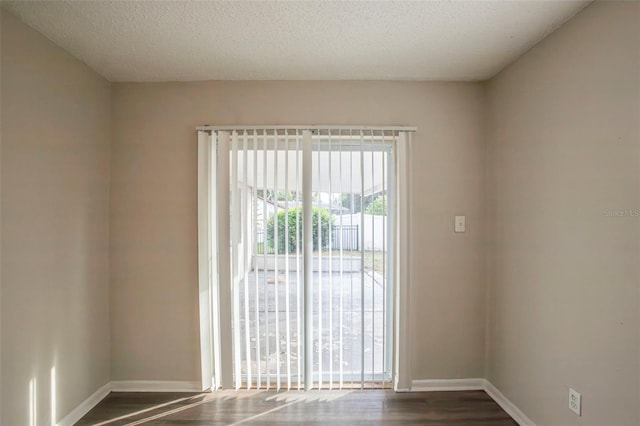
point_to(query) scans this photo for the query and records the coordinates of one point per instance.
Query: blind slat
(286, 259)
(234, 258)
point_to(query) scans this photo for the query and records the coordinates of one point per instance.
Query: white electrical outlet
(459, 224)
(575, 402)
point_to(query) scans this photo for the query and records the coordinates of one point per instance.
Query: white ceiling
(302, 40)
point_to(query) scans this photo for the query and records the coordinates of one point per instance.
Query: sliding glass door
(309, 250)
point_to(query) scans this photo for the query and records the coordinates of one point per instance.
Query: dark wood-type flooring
(368, 407)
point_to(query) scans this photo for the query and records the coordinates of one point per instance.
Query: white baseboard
(127, 386)
(507, 405)
(473, 384)
(447, 385)
(154, 386)
(86, 406)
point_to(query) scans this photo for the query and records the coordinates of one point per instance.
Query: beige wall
(154, 302)
(55, 162)
(564, 133)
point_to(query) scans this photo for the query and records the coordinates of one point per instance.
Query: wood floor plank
(368, 407)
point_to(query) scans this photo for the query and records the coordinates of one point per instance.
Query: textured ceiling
(304, 40)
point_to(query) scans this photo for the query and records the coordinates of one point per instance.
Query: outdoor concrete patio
(341, 292)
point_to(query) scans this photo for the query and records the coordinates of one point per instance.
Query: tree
(319, 215)
(378, 206)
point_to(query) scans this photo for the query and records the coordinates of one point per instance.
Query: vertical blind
(309, 253)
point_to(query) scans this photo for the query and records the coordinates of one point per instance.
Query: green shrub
(318, 214)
